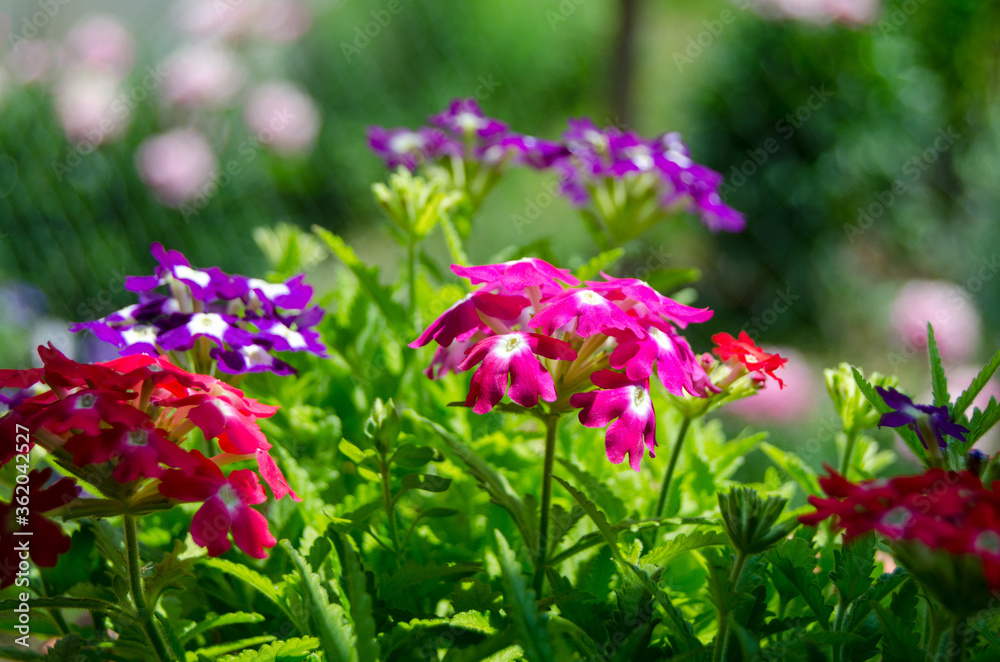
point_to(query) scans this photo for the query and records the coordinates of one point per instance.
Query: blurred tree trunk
(622, 69)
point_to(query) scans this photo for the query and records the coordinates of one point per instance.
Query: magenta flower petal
(592, 312)
(462, 320)
(625, 408)
(516, 275)
(617, 289)
(513, 356)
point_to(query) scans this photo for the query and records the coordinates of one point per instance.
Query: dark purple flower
(465, 118)
(530, 151)
(925, 420)
(254, 357)
(286, 339)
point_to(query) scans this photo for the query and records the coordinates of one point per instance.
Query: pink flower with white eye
(947, 307)
(227, 501)
(637, 291)
(462, 320)
(676, 365)
(283, 117)
(623, 406)
(592, 314)
(100, 42)
(517, 275)
(178, 165)
(202, 76)
(513, 355)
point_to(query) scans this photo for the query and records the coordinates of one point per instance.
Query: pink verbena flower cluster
(536, 333)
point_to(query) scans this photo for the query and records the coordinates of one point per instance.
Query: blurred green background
(859, 139)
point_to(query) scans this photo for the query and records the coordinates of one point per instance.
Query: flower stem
(412, 261)
(551, 426)
(952, 647)
(390, 512)
(685, 423)
(145, 613)
(845, 464)
(722, 639)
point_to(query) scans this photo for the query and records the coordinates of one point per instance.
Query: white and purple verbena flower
(238, 322)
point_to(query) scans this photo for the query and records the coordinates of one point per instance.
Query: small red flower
(47, 540)
(749, 354)
(226, 509)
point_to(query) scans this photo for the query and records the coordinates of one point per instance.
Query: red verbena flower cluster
(534, 332)
(944, 510)
(126, 420)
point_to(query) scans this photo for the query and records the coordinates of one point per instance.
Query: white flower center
(229, 498)
(137, 438)
(897, 518)
(208, 324)
(988, 541)
(86, 401)
(403, 143)
(270, 290)
(468, 122)
(255, 355)
(187, 273)
(591, 298)
(294, 338)
(638, 397)
(138, 334)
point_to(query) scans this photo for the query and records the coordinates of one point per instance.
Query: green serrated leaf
(216, 650)
(793, 465)
(984, 421)
(368, 278)
(794, 561)
(684, 542)
(531, 627)
(494, 483)
(366, 643)
(327, 618)
(853, 567)
(907, 435)
(296, 649)
(258, 581)
(212, 621)
(977, 385)
(414, 573)
(938, 380)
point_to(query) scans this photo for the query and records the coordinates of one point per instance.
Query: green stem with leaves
(852, 440)
(551, 427)
(722, 639)
(147, 618)
(390, 511)
(412, 264)
(671, 466)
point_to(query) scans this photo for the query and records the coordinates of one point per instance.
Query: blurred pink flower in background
(794, 403)
(178, 165)
(276, 20)
(282, 117)
(100, 42)
(33, 60)
(946, 306)
(85, 106)
(820, 11)
(202, 75)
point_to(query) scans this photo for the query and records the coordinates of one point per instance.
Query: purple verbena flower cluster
(590, 161)
(242, 320)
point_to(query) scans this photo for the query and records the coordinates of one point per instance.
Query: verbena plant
(425, 516)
